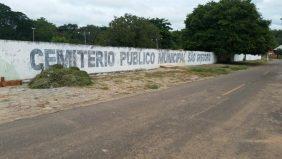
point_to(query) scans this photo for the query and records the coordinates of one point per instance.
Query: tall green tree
(164, 26)
(93, 34)
(177, 39)
(133, 31)
(101, 36)
(70, 33)
(228, 27)
(278, 36)
(44, 30)
(14, 25)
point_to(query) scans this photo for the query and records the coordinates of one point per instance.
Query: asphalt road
(231, 116)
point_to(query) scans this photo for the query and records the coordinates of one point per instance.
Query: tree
(59, 39)
(228, 27)
(14, 25)
(101, 37)
(45, 30)
(133, 31)
(164, 27)
(94, 34)
(70, 33)
(278, 36)
(177, 39)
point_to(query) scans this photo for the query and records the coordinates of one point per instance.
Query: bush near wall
(58, 76)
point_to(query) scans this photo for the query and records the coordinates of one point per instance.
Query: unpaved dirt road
(231, 116)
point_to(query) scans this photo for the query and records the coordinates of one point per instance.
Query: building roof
(279, 47)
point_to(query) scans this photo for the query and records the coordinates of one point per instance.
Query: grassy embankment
(218, 69)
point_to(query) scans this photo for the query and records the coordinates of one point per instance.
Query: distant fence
(24, 60)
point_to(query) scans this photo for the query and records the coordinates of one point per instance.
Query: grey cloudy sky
(101, 12)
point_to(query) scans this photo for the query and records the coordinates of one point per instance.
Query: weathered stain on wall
(8, 70)
(24, 60)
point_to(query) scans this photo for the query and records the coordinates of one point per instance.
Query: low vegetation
(161, 78)
(58, 76)
(152, 86)
(216, 70)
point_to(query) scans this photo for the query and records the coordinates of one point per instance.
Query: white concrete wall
(22, 60)
(240, 57)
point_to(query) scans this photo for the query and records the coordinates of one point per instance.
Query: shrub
(58, 76)
(152, 86)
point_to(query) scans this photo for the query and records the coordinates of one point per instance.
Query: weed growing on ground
(152, 86)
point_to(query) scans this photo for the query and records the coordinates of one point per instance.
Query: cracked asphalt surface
(231, 116)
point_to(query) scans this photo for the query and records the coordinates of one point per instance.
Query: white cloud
(271, 10)
(101, 12)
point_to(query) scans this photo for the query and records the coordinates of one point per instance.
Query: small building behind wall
(278, 51)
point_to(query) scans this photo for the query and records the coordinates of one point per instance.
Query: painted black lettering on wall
(71, 58)
(91, 59)
(166, 57)
(33, 54)
(136, 58)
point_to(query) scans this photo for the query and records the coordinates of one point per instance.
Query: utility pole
(157, 43)
(33, 31)
(85, 37)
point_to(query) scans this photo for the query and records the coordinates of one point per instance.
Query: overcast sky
(101, 12)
